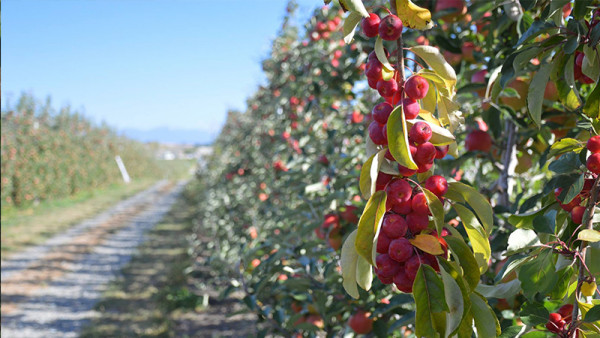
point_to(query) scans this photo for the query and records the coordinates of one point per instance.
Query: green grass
(152, 285)
(177, 169)
(22, 227)
(31, 225)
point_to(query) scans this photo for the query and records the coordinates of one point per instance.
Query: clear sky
(140, 63)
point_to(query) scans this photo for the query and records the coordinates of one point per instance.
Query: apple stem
(591, 208)
(400, 56)
(508, 160)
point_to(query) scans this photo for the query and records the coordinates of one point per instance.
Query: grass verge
(23, 227)
(152, 285)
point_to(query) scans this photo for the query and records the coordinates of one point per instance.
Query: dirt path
(50, 290)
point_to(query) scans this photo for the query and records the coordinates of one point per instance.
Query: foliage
(508, 83)
(48, 154)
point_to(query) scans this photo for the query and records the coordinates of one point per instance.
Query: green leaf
(428, 290)
(380, 53)
(535, 97)
(534, 314)
(369, 173)
(350, 24)
(545, 223)
(477, 201)
(589, 235)
(565, 145)
(522, 239)
(589, 66)
(364, 273)
(559, 291)
(369, 224)
(565, 164)
(477, 236)
(436, 208)
(574, 189)
(437, 62)
(592, 315)
(537, 28)
(538, 275)
(485, 320)
(398, 139)
(457, 297)
(466, 260)
(525, 221)
(354, 6)
(592, 106)
(502, 290)
(348, 261)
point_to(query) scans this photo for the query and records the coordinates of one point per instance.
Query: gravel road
(50, 290)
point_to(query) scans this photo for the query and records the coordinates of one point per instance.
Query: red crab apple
(425, 154)
(386, 266)
(387, 88)
(398, 191)
(522, 87)
(394, 226)
(419, 203)
(593, 163)
(417, 222)
(577, 214)
(441, 151)
(376, 133)
(360, 322)
(381, 112)
(411, 108)
(403, 282)
(390, 28)
(555, 323)
(357, 117)
(551, 92)
(370, 25)
(400, 249)
(383, 243)
(478, 140)
(593, 144)
(479, 77)
(373, 71)
(416, 87)
(457, 5)
(420, 133)
(437, 185)
(577, 71)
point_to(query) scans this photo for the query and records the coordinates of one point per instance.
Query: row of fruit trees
(49, 154)
(427, 170)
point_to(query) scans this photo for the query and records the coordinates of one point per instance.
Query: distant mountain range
(168, 135)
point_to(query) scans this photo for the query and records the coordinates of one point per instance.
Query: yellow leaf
(428, 116)
(369, 173)
(439, 137)
(349, 27)
(354, 6)
(364, 273)
(427, 243)
(369, 224)
(398, 138)
(432, 56)
(413, 16)
(380, 53)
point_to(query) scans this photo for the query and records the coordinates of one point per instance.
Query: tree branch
(591, 208)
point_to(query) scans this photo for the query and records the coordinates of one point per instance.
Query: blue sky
(140, 63)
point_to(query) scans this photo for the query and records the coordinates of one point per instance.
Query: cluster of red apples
(407, 209)
(558, 320)
(575, 206)
(407, 216)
